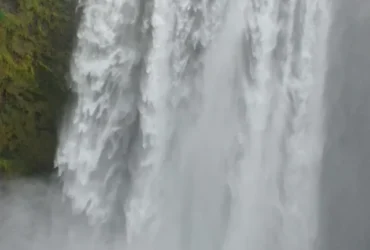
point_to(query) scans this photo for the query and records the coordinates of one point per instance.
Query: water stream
(198, 124)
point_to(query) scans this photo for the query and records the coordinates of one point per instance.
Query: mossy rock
(33, 62)
(2, 15)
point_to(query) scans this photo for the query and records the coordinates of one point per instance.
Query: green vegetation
(35, 45)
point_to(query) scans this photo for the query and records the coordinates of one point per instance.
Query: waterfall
(198, 121)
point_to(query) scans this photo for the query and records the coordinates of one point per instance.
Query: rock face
(35, 45)
(7, 5)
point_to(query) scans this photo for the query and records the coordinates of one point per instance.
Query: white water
(199, 121)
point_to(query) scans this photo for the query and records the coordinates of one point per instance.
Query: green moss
(33, 61)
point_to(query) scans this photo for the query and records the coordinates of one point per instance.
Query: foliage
(35, 42)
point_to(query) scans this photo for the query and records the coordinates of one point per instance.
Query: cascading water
(199, 121)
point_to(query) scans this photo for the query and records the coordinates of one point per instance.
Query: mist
(345, 186)
(34, 215)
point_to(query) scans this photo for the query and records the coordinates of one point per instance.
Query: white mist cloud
(33, 216)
